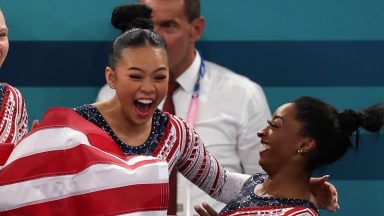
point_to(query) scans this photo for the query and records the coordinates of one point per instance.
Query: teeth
(145, 101)
(264, 147)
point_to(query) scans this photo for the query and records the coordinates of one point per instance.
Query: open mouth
(143, 106)
(264, 147)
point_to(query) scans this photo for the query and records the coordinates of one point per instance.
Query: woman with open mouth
(301, 136)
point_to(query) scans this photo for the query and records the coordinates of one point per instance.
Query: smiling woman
(302, 135)
(139, 72)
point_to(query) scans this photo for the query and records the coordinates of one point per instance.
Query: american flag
(69, 166)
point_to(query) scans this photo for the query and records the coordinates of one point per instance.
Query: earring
(300, 151)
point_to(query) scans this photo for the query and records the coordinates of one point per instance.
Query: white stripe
(95, 178)
(148, 213)
(48, 140)
(139, 158)
(51, 139)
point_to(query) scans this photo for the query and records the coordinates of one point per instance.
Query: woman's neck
(293, 185)
(127, 131)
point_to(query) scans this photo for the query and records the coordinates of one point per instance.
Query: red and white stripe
(273, 211)
(13, 116)
(68, 166)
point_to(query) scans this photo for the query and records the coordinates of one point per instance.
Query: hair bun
(349, 121)
(131, 16)
(372, 118)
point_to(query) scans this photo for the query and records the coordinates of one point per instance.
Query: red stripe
(129, 199)
(217, 176)
(177, 137)
(3, 109)
(190, 144)
(299, 210)
(5, 151)
(60, 162)
(171, 123)
(14, 115)
(261, 209)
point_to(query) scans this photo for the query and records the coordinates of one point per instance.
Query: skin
(285, 166)
(178, 32)
(4, 44)
(141, 74)
(281, 140)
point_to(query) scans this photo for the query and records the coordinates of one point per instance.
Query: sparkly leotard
(159, 123)
(248, 199)
(13, 114)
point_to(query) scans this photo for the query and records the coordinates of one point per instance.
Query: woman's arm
(202, 169)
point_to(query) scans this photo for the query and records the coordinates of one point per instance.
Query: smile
(143, 106)
(264, 146)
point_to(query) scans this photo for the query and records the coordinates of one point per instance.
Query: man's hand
(205, 210)
(324, 194)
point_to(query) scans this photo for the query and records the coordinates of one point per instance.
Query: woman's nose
(260, 133)
(147, 86)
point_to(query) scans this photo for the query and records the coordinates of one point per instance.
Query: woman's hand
(35, 123)
(324, 194)
(205, 210)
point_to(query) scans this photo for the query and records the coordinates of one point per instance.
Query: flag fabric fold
(69, 166)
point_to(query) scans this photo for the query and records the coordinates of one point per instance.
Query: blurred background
(328, 49)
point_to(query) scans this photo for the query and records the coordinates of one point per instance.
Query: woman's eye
(135, 76)
(160, 77)
(272, 124)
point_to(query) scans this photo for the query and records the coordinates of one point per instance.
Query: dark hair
(136, 26)
(192, 9)
(332, 130)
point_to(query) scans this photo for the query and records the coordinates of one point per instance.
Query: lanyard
(193, 106)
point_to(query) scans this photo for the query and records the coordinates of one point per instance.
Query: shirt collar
(188, 79)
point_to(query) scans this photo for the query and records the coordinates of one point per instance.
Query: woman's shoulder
(87, 111)
(259, 177)
(10, 93)
(9, 88)
(84, 107)
(178, 122)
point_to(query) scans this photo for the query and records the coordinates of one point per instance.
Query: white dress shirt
(231, 110)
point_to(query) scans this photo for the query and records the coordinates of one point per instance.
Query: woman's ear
(110, 77)
(307, 145)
